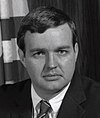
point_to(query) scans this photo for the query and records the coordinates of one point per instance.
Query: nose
(51, 61)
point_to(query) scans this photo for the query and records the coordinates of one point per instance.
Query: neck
(47, 95)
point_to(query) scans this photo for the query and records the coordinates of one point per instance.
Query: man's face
(50, 59)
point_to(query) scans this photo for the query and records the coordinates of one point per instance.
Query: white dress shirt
(54, 102)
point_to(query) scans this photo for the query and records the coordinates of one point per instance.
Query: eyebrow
(37, 49)
(63, 47)
(44, 49)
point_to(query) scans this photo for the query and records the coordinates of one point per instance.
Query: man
(48, 48)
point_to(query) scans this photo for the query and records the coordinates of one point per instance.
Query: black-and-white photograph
(49, 59)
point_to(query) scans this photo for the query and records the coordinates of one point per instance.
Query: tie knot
(44, 107)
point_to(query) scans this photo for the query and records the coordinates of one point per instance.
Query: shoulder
(15, 86)
(90, 86)
(11, 92)
(12, 89)
(92, 93)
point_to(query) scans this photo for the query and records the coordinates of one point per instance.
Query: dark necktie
(45, 108)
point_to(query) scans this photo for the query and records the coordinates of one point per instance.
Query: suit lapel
(71, 107)
(22, 100)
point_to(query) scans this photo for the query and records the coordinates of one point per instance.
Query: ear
(76, 51)
(22, 57)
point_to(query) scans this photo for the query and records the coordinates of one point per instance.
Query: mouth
(52, 77)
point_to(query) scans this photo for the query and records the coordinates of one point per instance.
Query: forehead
(53, 37)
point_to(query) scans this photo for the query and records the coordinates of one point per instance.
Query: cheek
(68, 70)
(68, 64)
(34, 68)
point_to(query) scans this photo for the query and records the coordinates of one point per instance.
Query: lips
(52, 77)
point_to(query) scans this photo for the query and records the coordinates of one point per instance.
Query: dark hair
(42, 18)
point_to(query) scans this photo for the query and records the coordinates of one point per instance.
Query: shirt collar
(35, 98)
(57, 100)
(54, 102)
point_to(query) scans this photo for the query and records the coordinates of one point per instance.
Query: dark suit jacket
(82, 100)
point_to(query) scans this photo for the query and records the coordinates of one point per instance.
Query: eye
(38, 54)
(62, 52)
